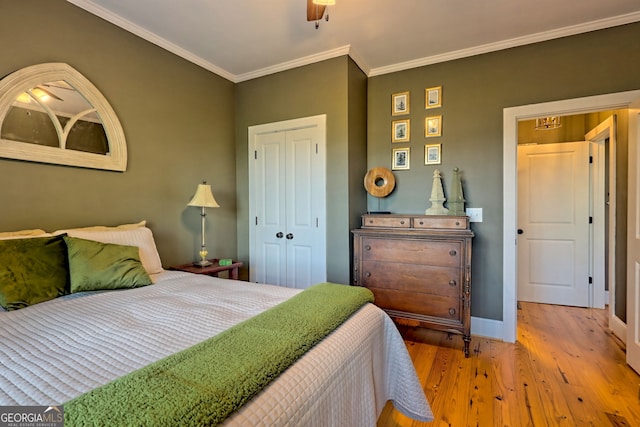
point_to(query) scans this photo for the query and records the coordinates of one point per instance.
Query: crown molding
(133, 28)
(360, 62)
(147, 35)
(506, 44)
(283, 66)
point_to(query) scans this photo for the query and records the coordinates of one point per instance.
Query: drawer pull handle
(368, 274)
(421, 222)
(457, 222)
(452, 283)
(370, 221)
(367, 247)
(402, 222)
(452, 311)
(453, 252)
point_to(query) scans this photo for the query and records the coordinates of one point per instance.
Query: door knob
(279, 234)
(289, 236)
(520, 231)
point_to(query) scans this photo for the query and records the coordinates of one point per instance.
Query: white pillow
(23, 234)
(140, 224)
(139, 236)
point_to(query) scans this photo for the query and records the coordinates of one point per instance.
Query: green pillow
(99, 266)
(32, 270)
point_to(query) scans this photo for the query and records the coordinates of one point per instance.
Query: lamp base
(202, 263)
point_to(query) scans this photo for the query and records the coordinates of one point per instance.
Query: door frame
(511, 116)
(319, 121)
(598, 135)
(633, 233)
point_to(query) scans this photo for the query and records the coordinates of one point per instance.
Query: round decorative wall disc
(379, 182)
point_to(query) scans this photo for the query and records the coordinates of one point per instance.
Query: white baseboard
(487, 328)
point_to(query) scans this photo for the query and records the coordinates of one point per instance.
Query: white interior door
(270, 251)
(304, 234)
(288, 202)
(633, 240)
(553, 223)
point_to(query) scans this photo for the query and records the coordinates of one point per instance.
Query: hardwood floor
(566, 369)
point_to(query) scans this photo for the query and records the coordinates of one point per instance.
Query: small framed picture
(400, 103)
(432, 154)
(433, 126)
(400, 158)
(433, 97)
(401, 130)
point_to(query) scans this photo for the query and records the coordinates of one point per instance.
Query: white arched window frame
(24, 80)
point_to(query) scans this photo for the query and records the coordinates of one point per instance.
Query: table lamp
(203, 199)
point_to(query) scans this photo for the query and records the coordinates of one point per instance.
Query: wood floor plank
(530, 399)
(506, 390)
(442, 383)
(597, 377)
(566, 369)
(482, 403)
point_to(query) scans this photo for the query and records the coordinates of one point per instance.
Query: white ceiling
(244, 39)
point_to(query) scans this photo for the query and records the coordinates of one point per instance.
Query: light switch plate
(474, 214)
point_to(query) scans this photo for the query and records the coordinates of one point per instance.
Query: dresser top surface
(414, 223)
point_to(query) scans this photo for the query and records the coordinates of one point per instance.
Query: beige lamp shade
(203, 197)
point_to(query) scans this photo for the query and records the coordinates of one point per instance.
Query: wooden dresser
(419, 269)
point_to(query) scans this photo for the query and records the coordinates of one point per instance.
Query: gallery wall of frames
(401, 129)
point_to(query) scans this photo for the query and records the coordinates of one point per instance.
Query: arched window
(51, 113)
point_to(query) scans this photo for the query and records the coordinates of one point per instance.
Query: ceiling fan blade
(51, 94)
(314, 11)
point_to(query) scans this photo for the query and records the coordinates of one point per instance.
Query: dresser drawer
(442, 253)
(449, 308)
(419, 279)
(386, 221)
(440, 222)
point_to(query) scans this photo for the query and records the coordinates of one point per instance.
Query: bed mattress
(57, 350)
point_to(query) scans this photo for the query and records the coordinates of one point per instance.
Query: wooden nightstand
(211, 270)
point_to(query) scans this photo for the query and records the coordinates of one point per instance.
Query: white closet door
(306, 263)
(288, 208)
(270, 181)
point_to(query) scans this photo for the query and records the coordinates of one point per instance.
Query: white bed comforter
(57, 350)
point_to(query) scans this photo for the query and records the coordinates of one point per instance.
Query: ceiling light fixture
(318, 8)
(545, 123)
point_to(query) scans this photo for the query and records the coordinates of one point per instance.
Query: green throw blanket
(205, 383)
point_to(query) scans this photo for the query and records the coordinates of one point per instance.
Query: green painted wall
(184, 124)
(357, 167)
(475, 92)
(338, 89)
(177, 117)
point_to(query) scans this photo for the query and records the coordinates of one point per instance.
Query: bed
(56, 350)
